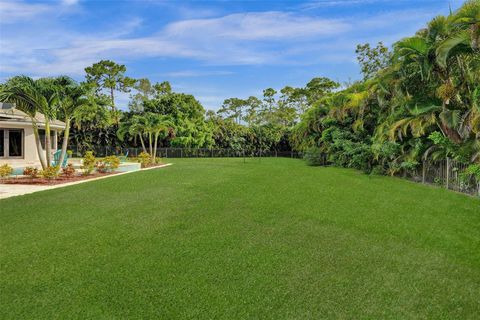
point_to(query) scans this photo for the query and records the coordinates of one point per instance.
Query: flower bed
(59, 180)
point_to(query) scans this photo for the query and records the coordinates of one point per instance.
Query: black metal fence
(103, 151)
(449, 174)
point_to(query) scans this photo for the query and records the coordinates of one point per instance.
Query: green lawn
(219, 238)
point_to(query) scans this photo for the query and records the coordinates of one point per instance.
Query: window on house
(2, 143)
(15, 143)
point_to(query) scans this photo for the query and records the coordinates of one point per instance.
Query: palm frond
(445, 48)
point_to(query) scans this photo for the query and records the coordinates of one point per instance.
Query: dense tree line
(239, 124)
(420, 101)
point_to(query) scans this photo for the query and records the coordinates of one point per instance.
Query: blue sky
(212, 49)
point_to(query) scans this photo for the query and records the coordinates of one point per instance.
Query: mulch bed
(62, 179)
(59, 180)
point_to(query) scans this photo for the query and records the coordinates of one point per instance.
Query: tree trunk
(66, 134)
(155, 148)
(475, 35)
(38, 144)
(447, 184)
(113, 100)
(143, 143)
(424, 171)
(451, 134)
(48, 147)
(150, 146)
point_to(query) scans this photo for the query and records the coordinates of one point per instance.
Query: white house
(17, 141)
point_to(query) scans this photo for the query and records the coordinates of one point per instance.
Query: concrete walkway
(12, 190)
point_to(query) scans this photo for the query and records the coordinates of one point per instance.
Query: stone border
(19, 189)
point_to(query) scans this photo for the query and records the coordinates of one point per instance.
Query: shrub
(5, 170)
(473, 170)
(108, 164)
(50, 173)
(393, 168)
(408, 166)
(68, 171)
(88, 163)
(101, 166)
(377, 171)
(31, 172)
(313, 157)
(113, 162)
(145, 159)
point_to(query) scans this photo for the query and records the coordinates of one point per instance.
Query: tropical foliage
(55, 98)
(423, 104)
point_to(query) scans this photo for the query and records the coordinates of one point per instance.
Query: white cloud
(18, 11)
(13, 11)
(232, 39)
(257, 26)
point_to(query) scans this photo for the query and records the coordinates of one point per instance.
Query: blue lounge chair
(124, 158)
(56, 159)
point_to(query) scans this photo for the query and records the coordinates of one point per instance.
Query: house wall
(30, 154)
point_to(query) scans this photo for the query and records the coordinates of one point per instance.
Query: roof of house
(9, 113)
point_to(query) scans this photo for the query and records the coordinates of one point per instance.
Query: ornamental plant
(145, 159)
(5, 170)
(101, 167)
(107, 164)
(88, 163)
(112, 162)
(50, 173)
(31, 172)
(68, 171)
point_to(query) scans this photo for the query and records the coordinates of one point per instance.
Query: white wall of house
(29, 153)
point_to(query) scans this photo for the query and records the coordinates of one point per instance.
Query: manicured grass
(219, 238)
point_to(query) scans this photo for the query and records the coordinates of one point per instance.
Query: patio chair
(56, 159)
(124, 158)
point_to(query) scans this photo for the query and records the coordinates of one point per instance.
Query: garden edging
(10, 190)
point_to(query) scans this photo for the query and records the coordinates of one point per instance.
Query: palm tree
(150, 125)
(93, 123)
(134, 127)
(418, 120)
(428, 52)
(156, 125)
(28, 96)
(465, 35)
(72, 98)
